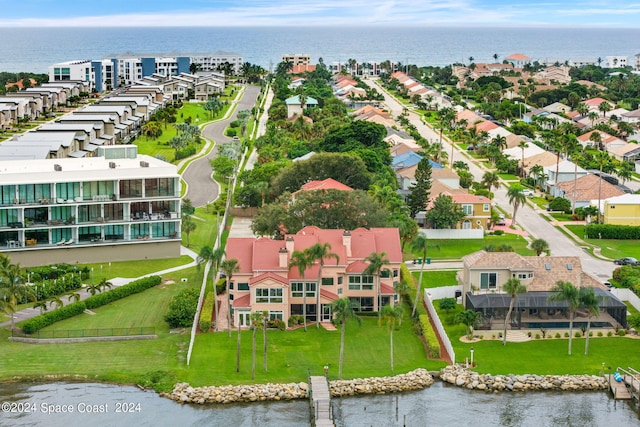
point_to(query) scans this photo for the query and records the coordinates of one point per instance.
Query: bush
(231, 132)
(183, 153)
(447, 304)
(36, 323)
(134, 287)
(182, 309)
(622, 333)
(205, 325)
(206, 313)
(560, 204)
(295, 319)
(566, 334)
(610, 333)
(221, 285)
(537, 336)
(277, 323)
(529, 334)
(610, 231)
(558, 335)
(433, 345)
(578, 335)
(498, 232)
(600, 334)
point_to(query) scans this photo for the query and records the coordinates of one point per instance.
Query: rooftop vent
(144, 164)
(569, 267)
(112, 165)
(57, 167)
(547, 267)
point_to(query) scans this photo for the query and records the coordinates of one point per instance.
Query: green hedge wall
(207, 311)
(610, 231)
(433, 345)
(36, 323)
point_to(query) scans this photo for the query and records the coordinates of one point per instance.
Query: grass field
(543, 356)
(457, 248)
(436, 279)
(291, 354)
(131, 269)
(610, 248)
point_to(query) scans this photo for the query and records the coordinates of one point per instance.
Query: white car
(527, 192)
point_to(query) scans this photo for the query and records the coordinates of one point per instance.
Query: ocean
(34, 49)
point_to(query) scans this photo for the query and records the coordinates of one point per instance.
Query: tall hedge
(433, 345)
(36, 323)
(207, 311)
(611, 231)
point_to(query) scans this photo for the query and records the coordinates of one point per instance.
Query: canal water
(70, 404)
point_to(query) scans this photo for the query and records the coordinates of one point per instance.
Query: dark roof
(534, 300)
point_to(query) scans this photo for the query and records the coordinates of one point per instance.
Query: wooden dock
(619, 390)
(320, 402)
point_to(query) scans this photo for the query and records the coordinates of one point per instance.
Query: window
(488, 280)
(467, 209)
(357, 283)
(275, 314)
(362, 303)
(268, 295)
(485, 207)
(385, 274)
(340, 280)
(339, 291)
(327, 281)
(520, 275)
(296, 289)
(395, 272)
(243, 286)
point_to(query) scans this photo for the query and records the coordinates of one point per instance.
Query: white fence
(443, 292)
(447, 233)
(436, 321)
(627, 295)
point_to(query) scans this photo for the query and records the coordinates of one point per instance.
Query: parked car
(627, 261)
(501, 220)
(527, 192)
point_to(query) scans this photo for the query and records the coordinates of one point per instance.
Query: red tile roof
(242, 302)
(325, 184)
(268, 275)
(469, 198)
(303, 68)
(386, 289)
(486, 126)
(517, 57)
(357, 267)
(328, 295)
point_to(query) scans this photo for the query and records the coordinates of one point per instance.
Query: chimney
(289, 244)
(283, 258)
(346, 241)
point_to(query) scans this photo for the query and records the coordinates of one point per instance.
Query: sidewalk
(28, 313)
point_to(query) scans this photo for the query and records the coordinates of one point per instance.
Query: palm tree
(601, 157)
(188, 226)
(567, 292)
(94, 289)
(513, 287)
(392, 316)
(604, 107)
(75, 296)
(540, 245)
(301, 260)
(42, 305)
(591, 303)
(491, 179)
(516, 198)
(256, 323)
(537, 171)
(376, 262)
(522, 145)
(104, 284)
(13, 289)
(470, 319)
(318, 252)
(229, 267)
(56, 301)
(420, 244)
(582, 109)
(343, 309)
(207, 254)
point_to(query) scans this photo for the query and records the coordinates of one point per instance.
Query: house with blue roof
(295, 107)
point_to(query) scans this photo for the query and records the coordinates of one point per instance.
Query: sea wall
(463, 377)
(184, 393)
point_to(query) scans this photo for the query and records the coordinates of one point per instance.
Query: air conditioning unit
(144, 164)
(112, 165)
(57, 167)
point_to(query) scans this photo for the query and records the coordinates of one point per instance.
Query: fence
(627, 295)
(436, 321)
(453, 233)
(86, 333)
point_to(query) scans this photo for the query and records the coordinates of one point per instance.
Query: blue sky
(55, 13)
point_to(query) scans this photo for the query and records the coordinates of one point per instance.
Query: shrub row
(183, 153)
(611, 231)
(45, 289)
(207, 311)
(36, 323)
(433, 345)
(135, 287)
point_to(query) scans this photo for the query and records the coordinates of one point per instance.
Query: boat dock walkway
(320, 402)
(628, 388)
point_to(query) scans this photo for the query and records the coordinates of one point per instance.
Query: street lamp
(471, 350)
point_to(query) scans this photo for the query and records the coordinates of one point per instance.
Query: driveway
(201, 188)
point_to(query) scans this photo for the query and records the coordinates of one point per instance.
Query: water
(34, 49)
(438, 405)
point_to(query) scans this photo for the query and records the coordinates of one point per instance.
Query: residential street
(201, 188)
(526, 217)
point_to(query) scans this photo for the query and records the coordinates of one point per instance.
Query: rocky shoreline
(463, 377)
(415, 380)
(184, 393)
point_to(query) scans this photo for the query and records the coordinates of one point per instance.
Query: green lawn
(205, 232)
(131, 269)
(436, 279)
(457, 248)
(543, 357)
(508, 177)
(540, 201)
(291, 354)
(561, 216)
(609, 248)
(143, 362)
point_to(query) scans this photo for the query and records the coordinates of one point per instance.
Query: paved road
(526, 217)
(201, 188)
